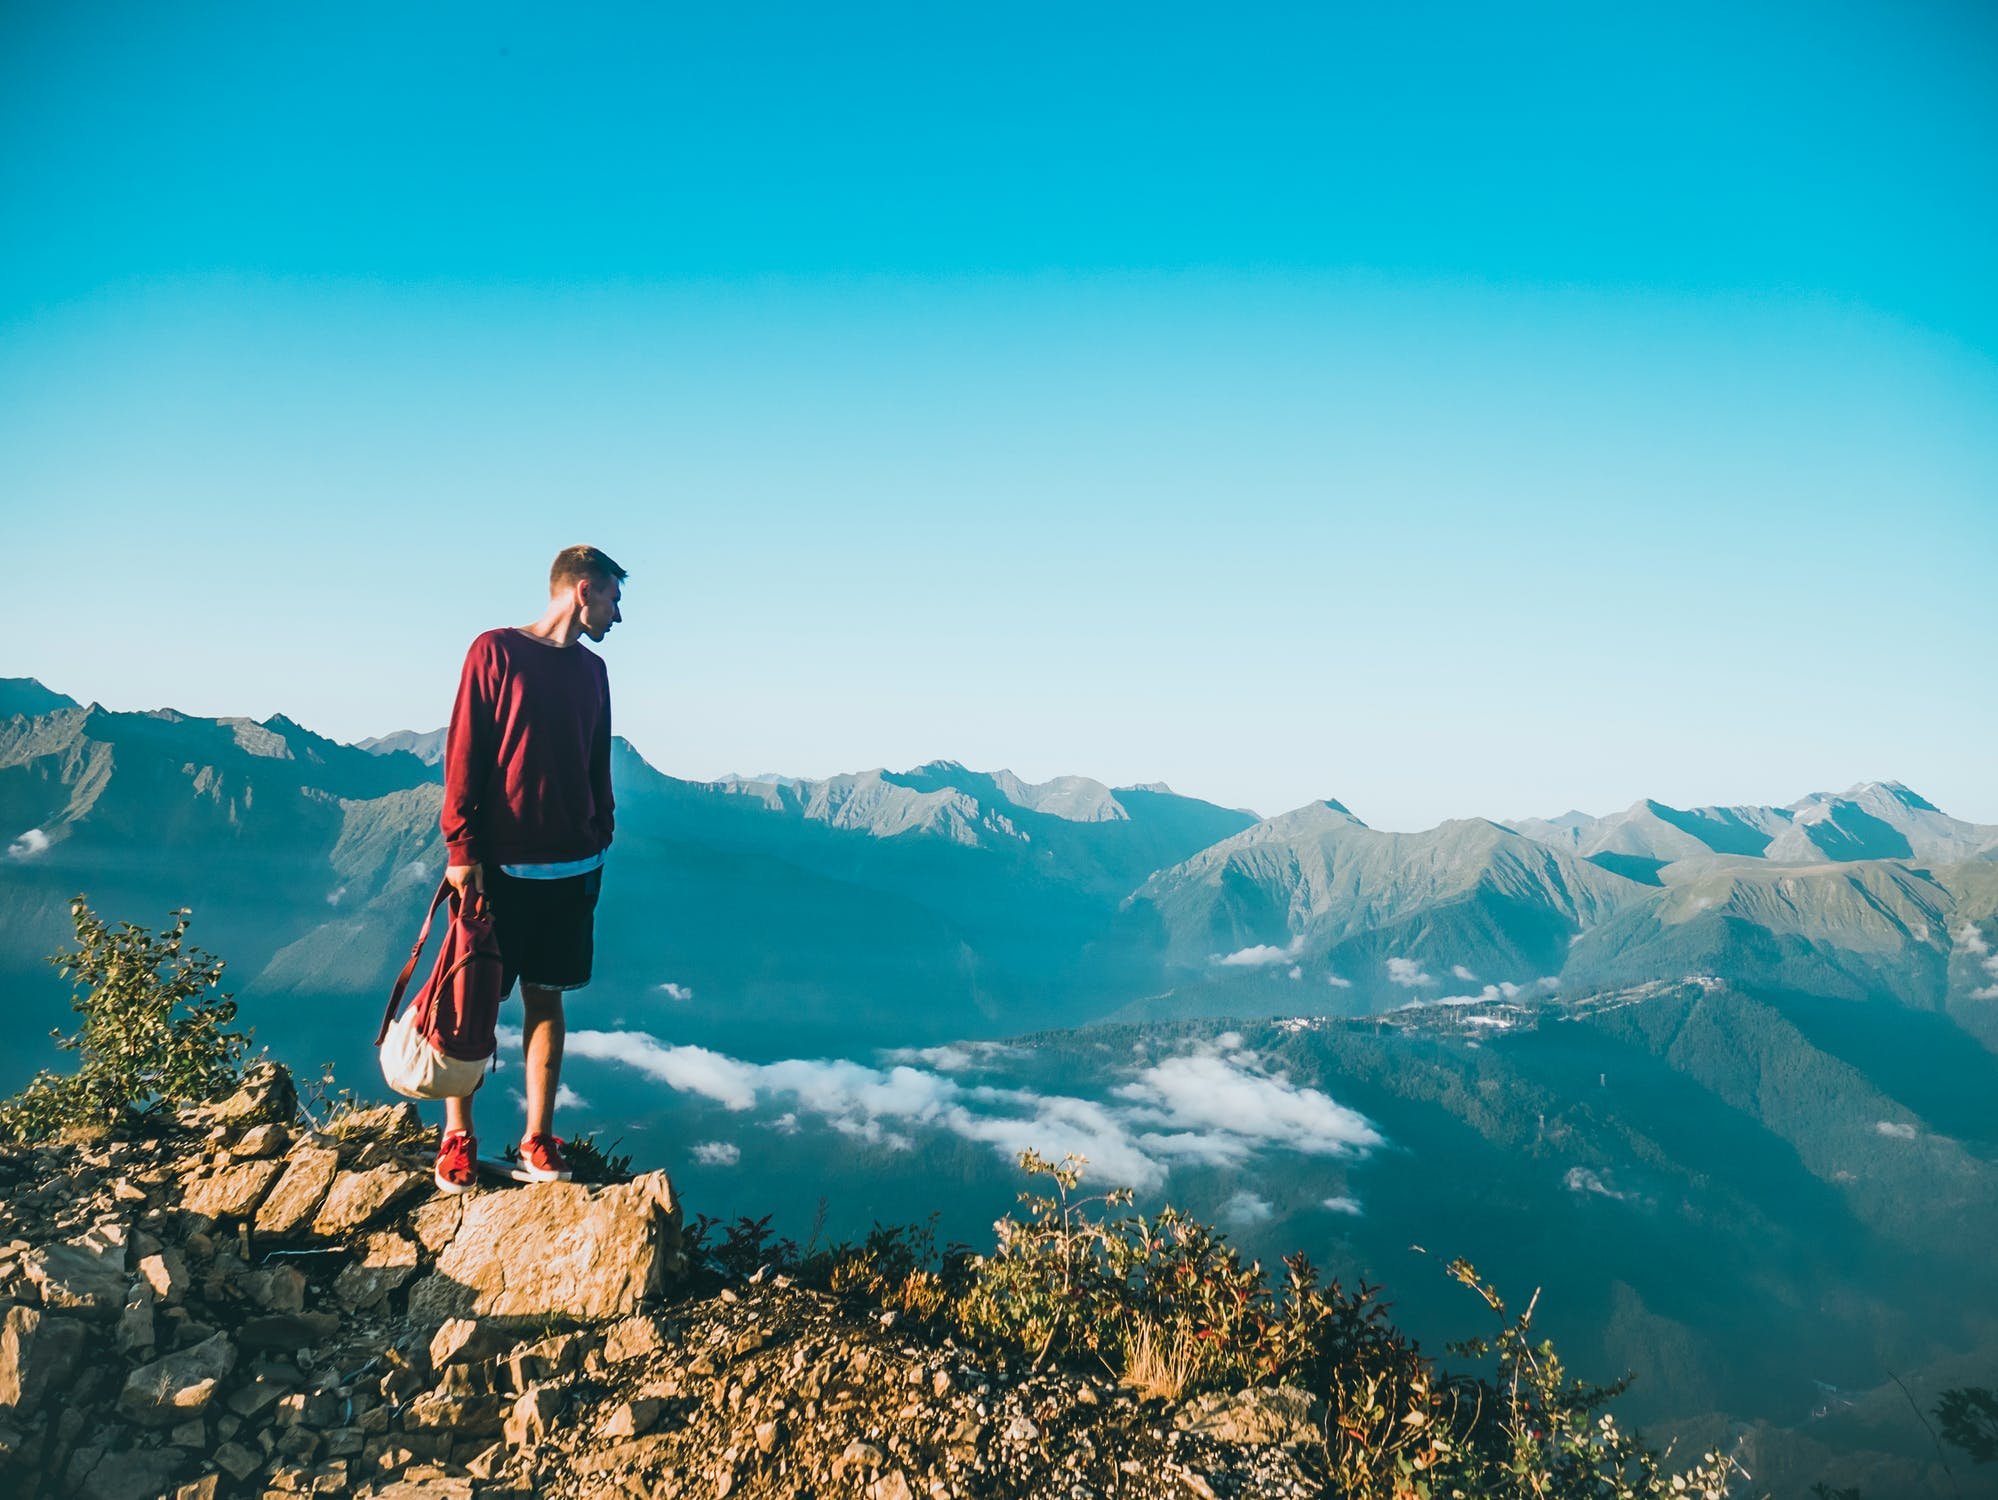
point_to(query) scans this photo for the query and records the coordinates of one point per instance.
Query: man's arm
(470, 745)
(600, 774)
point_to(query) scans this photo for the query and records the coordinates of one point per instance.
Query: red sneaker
(457, 1162)
(541, 1160)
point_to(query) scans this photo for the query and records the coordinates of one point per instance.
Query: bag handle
(402, 980)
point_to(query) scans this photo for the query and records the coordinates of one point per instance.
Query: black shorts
(546, 928)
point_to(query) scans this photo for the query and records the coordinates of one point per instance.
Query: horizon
(1261, 815)
(1468, 408)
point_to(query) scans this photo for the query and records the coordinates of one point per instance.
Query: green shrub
(1167, 1305)
(154, 1035)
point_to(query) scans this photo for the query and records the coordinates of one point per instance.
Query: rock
(308, 1173)
(166, 1273)
(263, 1140)
(136, 1474)
(298, 1330)
(460, 1416)
(547, 1359)
(233, 1192)
(85, 1274)
(634, 1338)
(532, 1417)
(277, 1289)
(465, 1341)
(398, 1122)
(38, 1354)
(180, 1385)
(1285, 1414)
(600, 1252)
(857, 1455)
(135, 1323)
(239, 1462)
(387, 1261)
(630, 1418)
(767, 1434)
(357, 1197)
(435, 1221)
(1022, 1430)
(207, 1487)
(894, 1485)
(266, 1097)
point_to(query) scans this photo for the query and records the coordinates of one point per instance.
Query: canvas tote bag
(440, 1047)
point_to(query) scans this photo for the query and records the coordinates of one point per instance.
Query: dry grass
(1160, 1363)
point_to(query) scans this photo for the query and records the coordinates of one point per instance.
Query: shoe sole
(538, 1174)
(445, 1185)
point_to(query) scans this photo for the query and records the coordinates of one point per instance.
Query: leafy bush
(154, 1035)
(1171, 1309)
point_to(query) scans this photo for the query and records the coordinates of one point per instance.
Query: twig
(1941, 1456)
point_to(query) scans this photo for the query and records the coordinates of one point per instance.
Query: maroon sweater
(527, 757)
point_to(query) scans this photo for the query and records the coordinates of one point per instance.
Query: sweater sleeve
(470, 749)
(600, 772)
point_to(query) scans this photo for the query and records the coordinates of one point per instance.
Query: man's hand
(465, 879)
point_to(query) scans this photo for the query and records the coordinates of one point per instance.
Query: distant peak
(1896, 790)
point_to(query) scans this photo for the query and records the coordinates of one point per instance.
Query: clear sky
(1450, 409)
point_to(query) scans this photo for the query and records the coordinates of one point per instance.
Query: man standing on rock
(527, 817)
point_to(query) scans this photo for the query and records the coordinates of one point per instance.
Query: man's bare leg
(458, 1115)
(543, 1029)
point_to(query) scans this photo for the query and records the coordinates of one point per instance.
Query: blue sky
(1447, 410)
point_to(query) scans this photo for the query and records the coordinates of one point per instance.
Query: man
(527, 817)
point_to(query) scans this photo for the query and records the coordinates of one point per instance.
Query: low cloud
(1218, 1105)
(28, 845)
(1343, 1205)
(958, 1057)
(1463, 973)
(1246, 1209)
(568, 1098)
(1338, 983)
(1235, 1094)
(1971, 941)
(1262, 955)
(1407, 973)
(717, 1153)
(1297, 971)
(674, 991)
(1582, 1180)
(1896, 1129)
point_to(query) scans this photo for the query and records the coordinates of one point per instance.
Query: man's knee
(540, 1004)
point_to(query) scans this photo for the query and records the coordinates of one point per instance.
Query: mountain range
(946, 902)
(1720, 1076)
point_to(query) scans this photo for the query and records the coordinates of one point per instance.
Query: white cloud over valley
(28, 845)
(1217, 1105)
(1407, 973)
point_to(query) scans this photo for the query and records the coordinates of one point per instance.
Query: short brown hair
(574, 564)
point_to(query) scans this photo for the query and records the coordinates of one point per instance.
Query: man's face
(600, 607)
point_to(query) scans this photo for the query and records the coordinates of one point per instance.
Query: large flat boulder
(232, 1192)
(308, 1173)
(555, 1248)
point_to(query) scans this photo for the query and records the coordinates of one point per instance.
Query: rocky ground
(239, 1306)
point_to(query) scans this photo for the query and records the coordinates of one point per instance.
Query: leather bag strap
(402, 979)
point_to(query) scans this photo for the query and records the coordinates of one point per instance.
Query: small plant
(322, 1103)
(745, 1247)
(1547, 1433)
(589, 1162)
(155, 1031)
